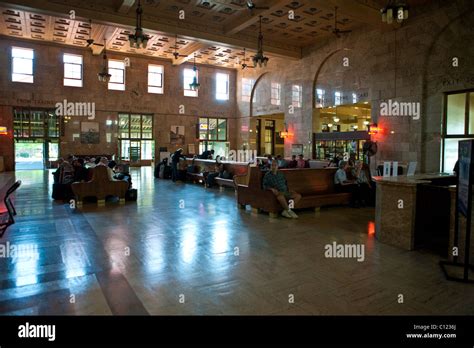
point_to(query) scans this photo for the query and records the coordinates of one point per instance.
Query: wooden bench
(205, 166)
(316, 187)
(100, 186)
(7, 218)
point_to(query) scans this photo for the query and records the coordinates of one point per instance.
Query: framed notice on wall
(465, 179)
(296, 149)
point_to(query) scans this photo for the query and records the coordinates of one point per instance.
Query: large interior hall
(236, 157)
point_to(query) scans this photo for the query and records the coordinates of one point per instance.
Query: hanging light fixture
(395, 10)
(139, 39)
(195, 84)
(259, 59)
(104, 75)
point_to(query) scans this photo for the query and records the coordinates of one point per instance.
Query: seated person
(160, 168)
(207, 154)
(269, 162)
(211, 176)
(80, 172)
(103, 161)
(57, 172)
(281, 161)
(300, 163)
(362, 179)
(293, 163)
(121, 173)
(90, 162)
(342, 184)
(67, 171)
(275, 181)
(182, 169)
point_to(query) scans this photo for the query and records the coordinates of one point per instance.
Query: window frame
(462, 136)
(217, 119)
(299, 89)
(81, 65)
(32, 60)
(111, 84)
(275, 101)
(159, 88)
(226, 95)
(187, 91)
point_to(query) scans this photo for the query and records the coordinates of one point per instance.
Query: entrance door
(269, 137)
(29, 155)
(36, 134)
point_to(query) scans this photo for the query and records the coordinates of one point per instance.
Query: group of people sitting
(295, 162)
(75, 169)
(353, 179)
(357, 183)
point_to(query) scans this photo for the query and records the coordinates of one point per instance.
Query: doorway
(36, 134)
(29, 155)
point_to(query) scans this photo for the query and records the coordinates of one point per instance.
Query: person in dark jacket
(208, 154)
(174, 163)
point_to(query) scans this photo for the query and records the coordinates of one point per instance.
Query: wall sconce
(3, 131)
(285, 134)
(374, 129)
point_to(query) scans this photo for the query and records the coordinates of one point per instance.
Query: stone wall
(408, 63)
(48, 89)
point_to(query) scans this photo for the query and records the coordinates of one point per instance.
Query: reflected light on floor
(371, 228)
(220, 237)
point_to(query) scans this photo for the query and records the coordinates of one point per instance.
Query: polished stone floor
(183, 249)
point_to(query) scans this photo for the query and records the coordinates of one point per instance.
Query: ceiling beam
(189, 51)
(354, 10)
(247, 18)
(188, 30)
(125, 6)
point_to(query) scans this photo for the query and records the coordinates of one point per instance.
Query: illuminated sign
(3, 130)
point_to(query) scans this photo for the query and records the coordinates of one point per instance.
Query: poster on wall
(464, 176)
(90, 133)
(296, 149)
(177, 135)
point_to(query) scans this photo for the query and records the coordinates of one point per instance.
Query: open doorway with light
(36, 134)
(266, 134)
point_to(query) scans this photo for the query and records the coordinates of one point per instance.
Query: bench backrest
(306, 181)
(311, 180)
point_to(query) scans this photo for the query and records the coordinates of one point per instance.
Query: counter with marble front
(395, 207)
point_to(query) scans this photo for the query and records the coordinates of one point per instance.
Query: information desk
(396, 206)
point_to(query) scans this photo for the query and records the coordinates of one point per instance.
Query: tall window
(247, 85)
(117, 70)
(22, 64)
(320, 98)
(276, 94)
(222, 86)
(337, 98)
(136, 137)
(354, 98)
(188, 77)
(458, 124)
(296, 96)
(213, 135)
(155, 79)
(72, 70)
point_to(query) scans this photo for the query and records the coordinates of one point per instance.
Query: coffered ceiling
(216, 31)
